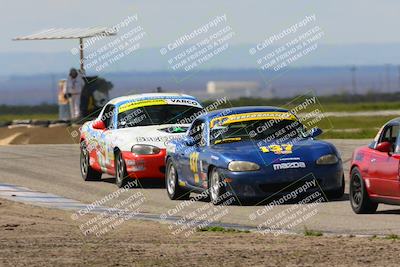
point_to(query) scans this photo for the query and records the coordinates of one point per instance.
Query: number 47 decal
(277, 149)
(193, 161)
(194, 158)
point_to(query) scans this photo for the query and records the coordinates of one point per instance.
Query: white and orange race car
(129, 137)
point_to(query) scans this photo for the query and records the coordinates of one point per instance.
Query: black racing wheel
(359, 198)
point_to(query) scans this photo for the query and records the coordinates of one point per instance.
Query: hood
(307, 150)
(156, 135)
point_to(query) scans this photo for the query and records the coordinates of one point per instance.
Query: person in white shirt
(63, 106)
(73, 91)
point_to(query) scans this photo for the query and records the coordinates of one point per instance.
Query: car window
(389, 134)
(258, 130)
(377, 137)
(107, 116)
(396, 131)
(385, 136)
(157, 115)
(197, 132)
(203, 140)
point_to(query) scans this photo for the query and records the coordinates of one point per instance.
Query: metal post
(81, 55)
(353, 79)
(387, 70)
(398, 68)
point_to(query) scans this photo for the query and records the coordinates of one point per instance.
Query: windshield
(257, 130)
(157, 115)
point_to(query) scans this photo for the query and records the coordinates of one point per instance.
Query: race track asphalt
(55, 169)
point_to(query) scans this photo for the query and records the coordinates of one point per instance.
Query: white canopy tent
(69, 33)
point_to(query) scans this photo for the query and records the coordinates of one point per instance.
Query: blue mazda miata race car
(252, 153)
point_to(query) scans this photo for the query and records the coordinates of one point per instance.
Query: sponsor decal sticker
(227, 139)
(289, 165)
(139, 104)
(187, 102)
(174, 129)
(140, 139)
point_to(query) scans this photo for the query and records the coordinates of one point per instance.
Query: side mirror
(384, 147)
(99, 125)
(314, 132)
(396, 156)
(189, 141)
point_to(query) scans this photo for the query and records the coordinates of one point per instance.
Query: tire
(87, 172)
(174, 190)
(359, 199)
(338, 193)
(216, 189)
(121, 175)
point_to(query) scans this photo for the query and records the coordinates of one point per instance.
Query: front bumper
(263, 184)
(145, 166)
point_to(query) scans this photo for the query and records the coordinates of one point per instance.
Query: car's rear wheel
(216, 187)
(174, 190)
(121, 174)
(359, 199)
(87, 172)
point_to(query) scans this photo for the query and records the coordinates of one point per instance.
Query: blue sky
(344, 22)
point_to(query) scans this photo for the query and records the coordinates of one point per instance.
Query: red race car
(375, 171)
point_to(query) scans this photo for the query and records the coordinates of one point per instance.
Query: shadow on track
(148, 183)
(260, 202)
(391, 212)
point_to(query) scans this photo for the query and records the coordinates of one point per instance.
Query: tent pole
(81, 55)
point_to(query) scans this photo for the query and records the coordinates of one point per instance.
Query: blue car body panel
(193, 163)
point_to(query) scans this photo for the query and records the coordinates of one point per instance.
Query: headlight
(242, 166)
(327, 159)
(145, 150)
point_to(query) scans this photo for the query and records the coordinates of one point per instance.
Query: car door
(105, 140)
(96, 143)
(396, 178)
(384, 167)
(203, 158)
(190, 159)
(109, 136)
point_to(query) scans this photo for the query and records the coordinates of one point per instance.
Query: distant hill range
(31, 78)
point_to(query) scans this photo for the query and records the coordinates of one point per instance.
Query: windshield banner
(157, 101)
(225, 120)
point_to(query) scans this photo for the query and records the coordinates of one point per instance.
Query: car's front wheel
(216, 187)
(87, 172)
(359, 199)
(174, 190)
(120, 171)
